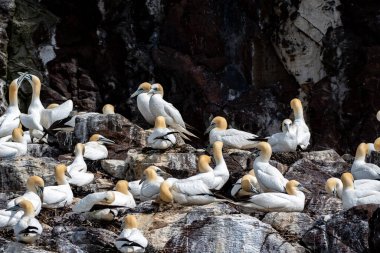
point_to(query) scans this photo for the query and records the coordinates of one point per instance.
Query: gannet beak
(137, 92)
(14, 208)
(106, 141)
(287, 128)
(163, 174)
(334, 193)
(209, 129)
(303, 189)
(21, 78)
(40, 193)
(67, 175)
(142, 179)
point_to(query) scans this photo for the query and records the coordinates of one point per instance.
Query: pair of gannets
(232, 138)
(78, 168)
(246, 186)
(161, 137)
(60, 195)
(18, 147)
(352, 196)
(362, 170)
(34, 193)
(131, 239)
(101, 205)
(334, 186)
(38, 117)
(151, 104)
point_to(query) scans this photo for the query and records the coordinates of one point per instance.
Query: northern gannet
(11, 118)
(60, 195)
(159, 107)
(232, 138)
(334, 186)
(246, 186)
(303, 133)
(78, 168)
(150, 183)
(108, 109)
(286, 141)
(221, 172)
(362, 170)
(291, 201)
(186, 192)
(16, 148)
(95, 149)
(161, 137)
(143, 101)
(270, 178)
(206, 173)
(27, 229)
(131, 239)
(354, 197)
(102, 205)
(34, 193)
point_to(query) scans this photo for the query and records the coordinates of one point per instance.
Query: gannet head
(165, 193)
(218, 122)
(361, 151)
(122, 186)
(204, 164)
(246, 183)
(347, 180)
(52, 106)
(25, 205)
(36, 184)
(160, 122)
(35, 82)
(376, 145)
(108, 109)
(100, 139)
(18, 135)
(61, 174)
(109, 198)
(286, 125)
(292, 186)
(378, 116)
(331, 186)
(130, 222)
(79, 149)
(143, 88)
(157, 89)
(150, 174)
(265, 150)
(217, 149)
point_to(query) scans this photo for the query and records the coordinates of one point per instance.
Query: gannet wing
(52, 195)
(271, 181)
(236, 188)
(6, 151)
(237, 138)
(270, 201)
(94, 151)
(191, 187)
(49, 116)
(31, 121)
(174, 114)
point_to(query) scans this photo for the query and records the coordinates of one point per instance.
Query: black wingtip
(258, 139)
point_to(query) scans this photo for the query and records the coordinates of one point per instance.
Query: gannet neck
(28, 207)
(220, 123)
(130, 222)
(108, 109)
(18, 135)
(122, 186)
(204, 164)
(361, 152)
(160, 122)
(36, 88)
(265, 151)
(165, 193)
(376, 144)
(296, 105)
(79, 149)
(151, 174)
(252, 172)
(246, 184)
(291, 187)
(218, 151)
(60, 170)
(13, 90)
(347, 180)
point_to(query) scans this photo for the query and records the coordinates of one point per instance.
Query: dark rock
(13, 247)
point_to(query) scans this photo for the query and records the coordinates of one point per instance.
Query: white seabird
(221, 172)
(18, 147)
(232, 138)
(60, 195)
(11, 118)
(270, 178)
(78, 168)
(95, 148)
(143, 101)
(246, 186)
(303, 133)
(28, 228)
(286, 141)
(354, 197)
(362, 170)
(131, 239)
(150, 184)
(291, 201)
(161, 137)
(334, 186)
(159, 107)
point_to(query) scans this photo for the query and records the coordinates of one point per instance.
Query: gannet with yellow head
(291, 201)
(302, 130)
(11, 118)
(150, 183)
(270, 178)
(232, 138)
(206, 173)
(159, 107)
(108, 109)
(95, 148)
(16, 148)
(60, 195)
(246, 186)
(374, 147)
(362, 170)
(78, 168)
(286, 141)
(221, 172)
(28, 228)
(334, 186)
(354, 197)
(143, 98)
(161, 137)
(131, 239)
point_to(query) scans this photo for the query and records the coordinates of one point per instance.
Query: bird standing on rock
(362, 170)
(131, 239)
(161, 137)
(303, 133)
(95, 148)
